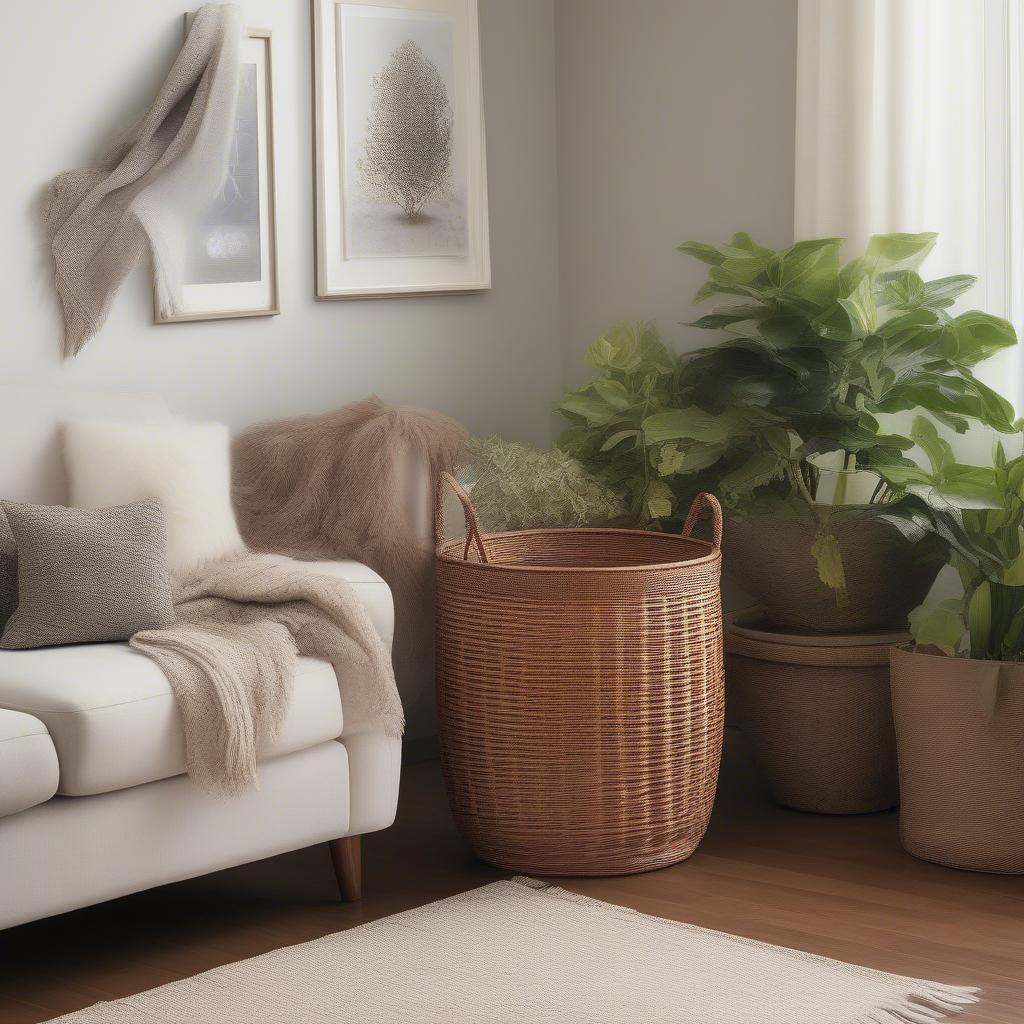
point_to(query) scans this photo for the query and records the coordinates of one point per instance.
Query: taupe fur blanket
(230, 659)
(343, 485)
(99, 219)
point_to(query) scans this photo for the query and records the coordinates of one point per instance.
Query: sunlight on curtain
(909, 119)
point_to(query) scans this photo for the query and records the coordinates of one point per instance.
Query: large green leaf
(712, 254)
(938, 625)
(694, 424)
(630, 348)
(658, 500)
(861, 309)
(900, 251)
(760, 469)
(808, 270)
(731, 315)
(944, 291)
(973, 336)
(591, 408)
(979, 619)
(961, 396)
(937, 449)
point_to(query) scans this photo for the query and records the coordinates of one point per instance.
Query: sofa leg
(348, 870)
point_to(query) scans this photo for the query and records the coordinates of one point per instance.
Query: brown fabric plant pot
(816, 714)
(770, 558)
(960, 736)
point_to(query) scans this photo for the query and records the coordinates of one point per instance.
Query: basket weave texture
(885, 575)
(816, 714)
(960, 735)
(580, 692)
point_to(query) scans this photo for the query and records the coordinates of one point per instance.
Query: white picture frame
(370, 244)
(234, 291)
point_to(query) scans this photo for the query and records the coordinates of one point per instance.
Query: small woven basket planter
(580, 692)
(816, 713)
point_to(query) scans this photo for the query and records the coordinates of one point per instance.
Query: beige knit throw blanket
(344, 485)
(167, 166)
(230, 660)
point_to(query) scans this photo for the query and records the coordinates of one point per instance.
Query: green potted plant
(792, 404)
(958, 692)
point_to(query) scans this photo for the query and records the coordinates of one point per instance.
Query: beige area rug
(523, 952)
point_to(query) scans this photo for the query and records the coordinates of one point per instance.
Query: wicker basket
(580, 692)
(816, 713)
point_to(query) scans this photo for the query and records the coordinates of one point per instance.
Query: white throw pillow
(187, 466)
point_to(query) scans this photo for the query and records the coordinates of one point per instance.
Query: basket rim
(447, 552)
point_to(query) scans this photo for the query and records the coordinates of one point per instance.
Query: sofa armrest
(371, 590)
(29, 772)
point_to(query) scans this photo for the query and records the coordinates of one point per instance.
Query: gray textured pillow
(8, 571)
(88, 575)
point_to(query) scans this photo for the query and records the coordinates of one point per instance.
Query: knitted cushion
(88, 575)
(8, 571)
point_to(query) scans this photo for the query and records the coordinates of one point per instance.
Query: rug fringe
(926, 1003)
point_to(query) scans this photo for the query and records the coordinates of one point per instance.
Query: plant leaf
(898, 251)
(979, 619)
(829, 559)
(617, 438)
(939, 625)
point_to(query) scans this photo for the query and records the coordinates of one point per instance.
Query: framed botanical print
(401, 177)
(230, 249)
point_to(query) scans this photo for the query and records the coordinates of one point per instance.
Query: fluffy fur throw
(341, 485)
(230, 660)
(100, 219)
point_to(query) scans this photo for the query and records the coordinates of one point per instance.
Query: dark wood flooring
(841, 887)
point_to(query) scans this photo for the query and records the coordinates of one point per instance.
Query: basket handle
(473, 534)
(705, 502)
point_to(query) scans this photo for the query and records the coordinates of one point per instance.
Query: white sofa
(94, 802)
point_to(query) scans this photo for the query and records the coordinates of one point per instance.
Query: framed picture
(401, 177)
(231, 246)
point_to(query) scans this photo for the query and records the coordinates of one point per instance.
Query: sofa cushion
(28, 763)
(113, 720)
(111, 713)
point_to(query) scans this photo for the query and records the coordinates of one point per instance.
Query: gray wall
(676, 120)
(71, 73)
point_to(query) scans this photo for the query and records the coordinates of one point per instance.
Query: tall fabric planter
(886, 576)
(816, 714)
(960, 736)
(580, 692)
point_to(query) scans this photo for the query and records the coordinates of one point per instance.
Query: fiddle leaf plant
(812, 354)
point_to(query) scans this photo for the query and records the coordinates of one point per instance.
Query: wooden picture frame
(228, 253)
(382, 229)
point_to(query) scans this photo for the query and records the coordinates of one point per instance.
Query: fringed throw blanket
(230, 660)
(343, 485)
(99, 219)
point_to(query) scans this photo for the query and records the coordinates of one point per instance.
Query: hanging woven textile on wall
(101, 219)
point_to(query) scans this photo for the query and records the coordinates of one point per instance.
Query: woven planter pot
(770, 558)
(580, 693)
(960, 735)
(816, 714)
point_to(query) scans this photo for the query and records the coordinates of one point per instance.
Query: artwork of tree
(407, 159)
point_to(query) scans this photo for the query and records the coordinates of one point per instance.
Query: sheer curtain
(908, 119)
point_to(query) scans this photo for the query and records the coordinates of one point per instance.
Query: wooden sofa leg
(345, 856)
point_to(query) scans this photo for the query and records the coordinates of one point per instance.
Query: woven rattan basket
(580, 692)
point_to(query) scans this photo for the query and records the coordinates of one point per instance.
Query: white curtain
(908, 119)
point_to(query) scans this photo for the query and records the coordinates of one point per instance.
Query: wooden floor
(836, 886)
